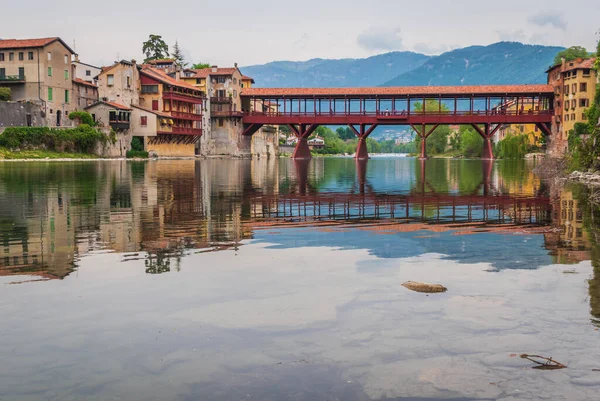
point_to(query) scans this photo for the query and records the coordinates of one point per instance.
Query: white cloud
(380, 39)
(554, 19)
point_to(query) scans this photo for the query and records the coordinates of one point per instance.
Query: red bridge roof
(483, 90)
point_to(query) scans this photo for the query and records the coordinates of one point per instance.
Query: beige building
(39, 70)
(119, 83)
(574, 85)
(85, 93)
(83, 71)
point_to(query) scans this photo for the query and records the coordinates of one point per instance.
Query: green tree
(200, 66)
(178, 55)
(5, 94)
(438, 140)
(572, 53)
(155, 48)
(471, 143)
(345, 133)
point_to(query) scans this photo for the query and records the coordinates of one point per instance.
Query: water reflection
(53, 214)
(157, 304)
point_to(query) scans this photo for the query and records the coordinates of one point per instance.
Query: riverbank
(6, 155)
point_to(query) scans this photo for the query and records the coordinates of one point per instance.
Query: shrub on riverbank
(83, 117)
(5, 94)
(513, 147)
(82, 139)
(139, 154)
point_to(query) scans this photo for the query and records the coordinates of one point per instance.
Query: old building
(39, 70)
(574, 85)
(83, 71)
(180, 127)
(119, 83)
(531, 130)
(84, 93)
(116, 117)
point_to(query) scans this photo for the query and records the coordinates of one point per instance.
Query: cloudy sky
(247, 32)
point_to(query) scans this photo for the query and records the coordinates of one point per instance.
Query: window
(197, 81)
(584, 117)
(584, 103)
(574, 74)
(155, 105)
(30, 56)
(566, 117)
(1, 56)
(21, 56)
(11, 56)
(129, 82)
(234, 93)
(573, 117)
(583, 87)
(88, 73)
(49, 56)
(221, 80)
(50, 95)
(49, 71)
(66, 59)
(566, 89)
(220, 122)
(66, 74)
(110, 80)
(574, 88)
(144, 121)
(567, 103)
(149, 88)
(66, 96)
(586, 73)
(235, 81)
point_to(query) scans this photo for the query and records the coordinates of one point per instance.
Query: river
(279, 280)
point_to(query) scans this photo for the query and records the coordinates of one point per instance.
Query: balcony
(182, 97)
(119, 125)
(220, 99)
(186, 116)
(12, 79)
(186, 131)
(226, 114)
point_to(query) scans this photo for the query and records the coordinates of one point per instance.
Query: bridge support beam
(424, 131)
(302, 132)
(487, 132)
(362, 133)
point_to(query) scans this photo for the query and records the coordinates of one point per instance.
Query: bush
(82, 139)
(83, 116)
(137, 143)
(514, 146)
(137, 153)
(5, 94)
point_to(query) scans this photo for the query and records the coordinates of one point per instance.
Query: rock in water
(424, 287)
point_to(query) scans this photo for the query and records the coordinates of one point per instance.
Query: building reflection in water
(53, 214)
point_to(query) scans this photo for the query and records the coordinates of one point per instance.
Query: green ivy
(5, 94)
(83, 117)
(82, 139)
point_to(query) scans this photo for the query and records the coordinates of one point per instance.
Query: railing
(226, 113)
(186, 116)
(186, 131)
(400, 114)
(185, 97)
(220, 99)
(119, 125)
(12, 78)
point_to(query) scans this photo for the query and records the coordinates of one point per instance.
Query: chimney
(214, 68)
(564, 63)
(133, 61)
(235, 65)
(76, 58)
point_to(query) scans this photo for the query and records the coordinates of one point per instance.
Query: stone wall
(13, 114)
(117, 149)
(170, 149)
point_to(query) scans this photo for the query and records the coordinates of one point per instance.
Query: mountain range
(498, 63)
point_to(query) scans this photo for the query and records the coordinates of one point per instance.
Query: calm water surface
(275, 280)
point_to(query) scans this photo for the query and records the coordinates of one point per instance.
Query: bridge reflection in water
(422, 204)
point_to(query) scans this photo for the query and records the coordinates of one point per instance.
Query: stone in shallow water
(424, 287)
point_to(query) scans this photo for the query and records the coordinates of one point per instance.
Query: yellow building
(574, 85)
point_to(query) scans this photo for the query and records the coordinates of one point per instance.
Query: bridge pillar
(487, 133)
(424, 133)
(362, 153)
(302, 132)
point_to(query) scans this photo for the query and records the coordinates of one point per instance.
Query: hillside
(500, 63)
(370, 71)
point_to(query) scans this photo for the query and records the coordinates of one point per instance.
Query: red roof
(205, 72)
(162, 61)
(111, 104)
(80, 81)
(580, 64)
(30, 43)
(401, 91)
(164, 78)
